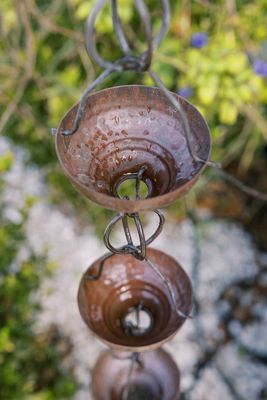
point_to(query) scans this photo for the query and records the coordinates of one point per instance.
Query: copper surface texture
(124, 128)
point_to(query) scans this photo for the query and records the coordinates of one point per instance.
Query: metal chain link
(137, 251)
(129, 61)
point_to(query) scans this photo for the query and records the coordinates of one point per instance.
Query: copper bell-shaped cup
(157, 379)
(129, 307)
(124, 128)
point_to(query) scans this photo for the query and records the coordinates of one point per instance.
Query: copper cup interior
(159, 379)
(108, 304)
(123, 129)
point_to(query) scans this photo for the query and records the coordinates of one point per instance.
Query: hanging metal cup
(156, 378)
(129, 306)
(124, 129)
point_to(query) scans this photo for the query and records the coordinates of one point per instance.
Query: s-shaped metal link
(137, 251)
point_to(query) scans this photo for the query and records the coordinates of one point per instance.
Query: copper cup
(124, 129)
(157, 379)
(126, 287)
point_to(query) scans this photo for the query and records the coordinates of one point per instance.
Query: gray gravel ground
(219, 356)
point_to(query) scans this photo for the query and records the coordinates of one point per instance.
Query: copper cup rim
(123, 205)
(147, 347)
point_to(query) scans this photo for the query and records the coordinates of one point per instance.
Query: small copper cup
(157, 379)
(124, 129)
(128, 286)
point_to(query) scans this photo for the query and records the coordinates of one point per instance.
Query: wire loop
(128, 62)
(138, 251)
(90, 34)
(97, 276)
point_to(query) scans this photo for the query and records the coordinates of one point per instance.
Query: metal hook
(83, 101)
(137, 176)
(138, 181)
(169, 288)
(97, 276)
(135, 328)
(184, 119)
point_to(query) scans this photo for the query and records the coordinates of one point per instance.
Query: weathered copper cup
(124, 129)
(129, 307)
(158, 379)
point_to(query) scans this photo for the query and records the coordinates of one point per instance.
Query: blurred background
(215, 55)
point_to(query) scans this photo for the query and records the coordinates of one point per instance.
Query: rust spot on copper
(142, 128)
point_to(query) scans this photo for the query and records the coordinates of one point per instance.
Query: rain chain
(134, 298)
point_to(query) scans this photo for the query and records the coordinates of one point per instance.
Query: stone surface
(210, 386)
(246, 376)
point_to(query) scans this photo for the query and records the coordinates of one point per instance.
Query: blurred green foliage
(30, 363)
(45, 69)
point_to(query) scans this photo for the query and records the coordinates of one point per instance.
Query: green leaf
(206, 95)
(6, 161)
(228, 113)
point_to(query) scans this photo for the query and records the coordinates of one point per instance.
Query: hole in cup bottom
(138, 321)
(133, 185)
(127, 188)
(139, 391)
